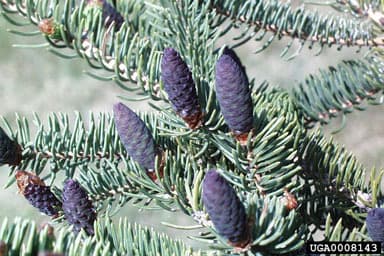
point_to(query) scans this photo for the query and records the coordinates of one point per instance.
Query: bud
(50, 28)
(375, 225)
(180, 87)
(234, 95)
(10, 151)
(289, 200)
(136, 137)
(225, 209)
(3, 248)
(50, 229)
(78, 209)
(37, 194)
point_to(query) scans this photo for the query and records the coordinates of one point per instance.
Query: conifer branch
(23, 237)
(341, 89)
(306, 26)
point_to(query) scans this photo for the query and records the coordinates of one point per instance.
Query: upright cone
(38, 194)
(136, 137)
(375, 225)
(78, 209)
(180, 87)
(234, 95)
(10, 151)
(109, 13)
(225, 209)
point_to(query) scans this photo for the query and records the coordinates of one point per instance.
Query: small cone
(109, 13)
(37, 194)
(375, 225)
(136, 138)
(10, 151)
(180, 87)
(78, 209)
(234, 95)
(225, 210)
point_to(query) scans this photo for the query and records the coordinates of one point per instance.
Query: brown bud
(47, 26)
(289, 200)
(3, 248)
(24, 178)
(50, 232)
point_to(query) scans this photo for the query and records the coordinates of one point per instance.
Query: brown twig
(70, 155)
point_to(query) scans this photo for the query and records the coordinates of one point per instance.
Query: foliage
(292, 180)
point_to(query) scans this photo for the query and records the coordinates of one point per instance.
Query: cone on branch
(136, 138)
(180, 87)
(225, 210)
(38, 194)
(234, 95)
(375, 225)
(109, 13)
(10, 151)
(78, 209)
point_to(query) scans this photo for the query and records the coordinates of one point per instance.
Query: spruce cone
(38, 195)
(136, 137)
(225, 209)
(375, 225)
(43, 199)
(109, 13)
(180, 87)
(234, 95)
(78, 209)
(10, 151)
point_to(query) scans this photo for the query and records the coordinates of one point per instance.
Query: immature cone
(180, 87)
(375, 225)
(78, 209)
(10, 151)
(234, 95)
(225, 209)
(37, 194)
(109, 13)
(136, 137)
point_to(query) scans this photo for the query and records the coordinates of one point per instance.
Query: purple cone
(375, 225)
(135, 136)
(233, 93)
(43, 199)
(180, 87)
(78, 209)
(110, 14)
(10, 151)
(225, 209)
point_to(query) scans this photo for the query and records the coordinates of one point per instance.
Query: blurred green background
(36, 80)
